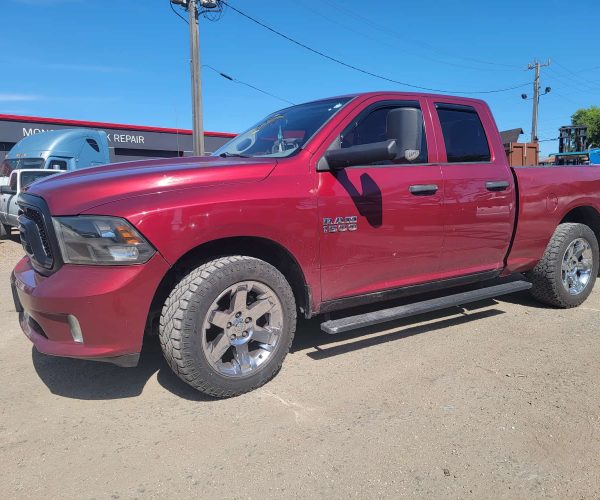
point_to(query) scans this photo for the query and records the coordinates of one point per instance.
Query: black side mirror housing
(7, 190)
(405, 126)
(358, 155)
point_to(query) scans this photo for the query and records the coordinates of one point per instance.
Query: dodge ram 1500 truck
(319, 207)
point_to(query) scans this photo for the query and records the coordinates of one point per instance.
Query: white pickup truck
(18, 181)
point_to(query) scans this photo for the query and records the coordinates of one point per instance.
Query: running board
(384, 315)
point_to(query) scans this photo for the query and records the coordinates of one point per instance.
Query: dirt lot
(499, 401)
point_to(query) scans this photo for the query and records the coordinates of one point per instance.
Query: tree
(589, 117)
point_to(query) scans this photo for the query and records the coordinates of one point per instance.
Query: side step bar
(384, 315)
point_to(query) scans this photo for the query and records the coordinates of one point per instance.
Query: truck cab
(63, 150)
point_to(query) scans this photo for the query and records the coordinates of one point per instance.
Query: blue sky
(127, 62)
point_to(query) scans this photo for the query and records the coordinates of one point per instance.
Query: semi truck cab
(64, 150)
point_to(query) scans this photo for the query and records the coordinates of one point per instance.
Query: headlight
(109, 241)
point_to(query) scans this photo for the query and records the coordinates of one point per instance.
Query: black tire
(5, 231)
(547, 278)
(183, 314)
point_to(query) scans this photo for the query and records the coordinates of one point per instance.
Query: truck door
(479, 197)
(381, 224)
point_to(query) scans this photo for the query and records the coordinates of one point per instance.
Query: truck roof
(404, 94)
(57, 141)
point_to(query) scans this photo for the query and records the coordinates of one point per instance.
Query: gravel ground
(499, 401)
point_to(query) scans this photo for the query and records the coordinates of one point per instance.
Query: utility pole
(536, 96)
(195, 8)
(198, 124)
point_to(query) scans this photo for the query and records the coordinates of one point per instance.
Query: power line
(579, 83)
(360, 70)
(225, 75)
(212, 14)
(590, 83)
(235, 80)
(376, 39)
(421, 43)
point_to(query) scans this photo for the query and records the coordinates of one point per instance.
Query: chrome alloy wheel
(577, 266)
(242, 328)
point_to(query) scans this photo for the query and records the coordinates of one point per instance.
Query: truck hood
(81, 190)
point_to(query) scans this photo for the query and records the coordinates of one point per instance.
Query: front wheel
(566, 274)
(226, 328)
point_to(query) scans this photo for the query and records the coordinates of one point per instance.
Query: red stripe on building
(116, 126)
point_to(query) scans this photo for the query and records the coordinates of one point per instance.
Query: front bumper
(110, 305)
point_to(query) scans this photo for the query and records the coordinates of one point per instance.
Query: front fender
(274, 209)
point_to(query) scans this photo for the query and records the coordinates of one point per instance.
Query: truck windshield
(8, 165)
(283, 133)
(28, 178)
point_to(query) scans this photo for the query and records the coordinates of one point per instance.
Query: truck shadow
(524, 299)
(369, 202)
(92, 380)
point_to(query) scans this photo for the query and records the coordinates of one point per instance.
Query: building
(511, 135)
(127, 142)
(519, 154)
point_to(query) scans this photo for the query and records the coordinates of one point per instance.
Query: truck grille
(37, 234)
(36, 216)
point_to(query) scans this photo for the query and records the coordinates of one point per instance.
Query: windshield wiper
(233, 155)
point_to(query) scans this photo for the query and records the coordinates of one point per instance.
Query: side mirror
(405, 126)
(7, 190)
(358, 155)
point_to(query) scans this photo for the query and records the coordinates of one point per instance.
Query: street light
(547, 90)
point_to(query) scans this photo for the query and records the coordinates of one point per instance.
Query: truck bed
(547, 195)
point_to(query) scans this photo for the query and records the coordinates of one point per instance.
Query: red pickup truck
(319, 207)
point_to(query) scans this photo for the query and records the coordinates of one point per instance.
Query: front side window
(374, 125)
(283, 133)
(12, 183)
(464, 135)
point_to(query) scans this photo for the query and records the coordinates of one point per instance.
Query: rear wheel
(566, 274)
(226, 328)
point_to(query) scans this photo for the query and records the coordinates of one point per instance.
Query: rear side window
(12, 183)
(464, 135)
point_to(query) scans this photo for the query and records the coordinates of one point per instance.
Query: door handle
(423, 189)
(497, 185)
